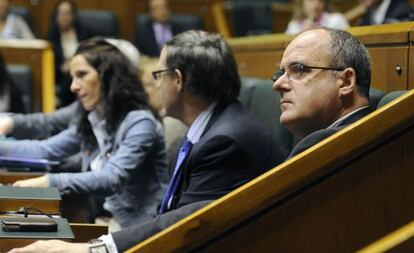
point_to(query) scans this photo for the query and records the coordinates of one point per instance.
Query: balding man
(324, 81)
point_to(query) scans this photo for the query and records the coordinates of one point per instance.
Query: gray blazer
(133, 177)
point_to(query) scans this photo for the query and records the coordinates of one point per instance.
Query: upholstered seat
(100, 22)
(22, 77)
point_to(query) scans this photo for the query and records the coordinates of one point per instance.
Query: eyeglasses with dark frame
(156, 74)
(297, 70)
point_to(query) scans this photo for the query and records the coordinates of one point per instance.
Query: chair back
(100, 22)
(21, 75)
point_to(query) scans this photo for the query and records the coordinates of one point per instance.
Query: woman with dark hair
(65, 34)
(10, 98)
(119, 135)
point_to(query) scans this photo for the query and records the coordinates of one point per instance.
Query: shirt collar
(338, 121)
(198, 126)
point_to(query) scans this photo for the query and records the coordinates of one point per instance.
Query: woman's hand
(42, 182)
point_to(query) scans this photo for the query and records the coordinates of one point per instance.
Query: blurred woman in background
(314, 13)
(65, 34)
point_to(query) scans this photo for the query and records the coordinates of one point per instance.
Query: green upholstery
(22, 78)
(374, 97)
(100, 22)
(390, 96)
(259, 97)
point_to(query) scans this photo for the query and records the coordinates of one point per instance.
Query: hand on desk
(6, 125)
(53, 246)
(42, 181)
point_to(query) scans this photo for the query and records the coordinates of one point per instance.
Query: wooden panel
(385, 61)
(314, 185)
(367, 199)
(269, 62)
(37, 54)
(401, 237)
(126, 10)
(9, 177)
(84, 232)
(281, 15)
(383, 34)
(411, 61)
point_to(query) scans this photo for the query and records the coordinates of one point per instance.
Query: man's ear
(347, 82)
(179, 80)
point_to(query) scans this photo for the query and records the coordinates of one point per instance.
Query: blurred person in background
(152, 35)
(65, 34)
(385, 11)
(12, 26)
(314, 13)
(10, 98)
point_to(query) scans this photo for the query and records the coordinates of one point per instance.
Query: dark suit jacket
(322, 134)
(398, 11)
(144, 38)
(234, 149)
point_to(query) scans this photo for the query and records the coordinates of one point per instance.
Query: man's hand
(53, 246)
(41, 182)
(6, 125)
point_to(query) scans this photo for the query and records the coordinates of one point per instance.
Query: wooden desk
(82, 232)
(45, 199)
(37, 54)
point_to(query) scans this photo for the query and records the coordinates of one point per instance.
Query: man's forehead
(309, 46)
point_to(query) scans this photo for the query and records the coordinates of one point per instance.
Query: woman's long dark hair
(121, 90)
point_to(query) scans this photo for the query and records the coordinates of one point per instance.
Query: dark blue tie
(175, 179)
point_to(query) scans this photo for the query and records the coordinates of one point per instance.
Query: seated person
(313, 13)
(10, 98)
(65, 34)
(225, 146)
(12, 26)
(152, 36)
(386, 11)
(43, 125)
(321, 90)
(118, 134)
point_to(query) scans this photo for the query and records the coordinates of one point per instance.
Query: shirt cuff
(109, 243)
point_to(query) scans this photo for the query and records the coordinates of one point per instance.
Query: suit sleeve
(132, 152)
(127, 238)
(218, 167)
(43, 125)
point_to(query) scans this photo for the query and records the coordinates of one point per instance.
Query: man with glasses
(225, 146)
(324, 81)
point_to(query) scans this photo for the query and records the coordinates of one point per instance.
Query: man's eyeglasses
(297, 70)
(157, 74)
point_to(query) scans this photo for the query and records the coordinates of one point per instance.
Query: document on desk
(18, 163)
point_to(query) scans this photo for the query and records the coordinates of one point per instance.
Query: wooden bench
(339, 195)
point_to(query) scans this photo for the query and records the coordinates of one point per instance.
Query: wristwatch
(97, 246)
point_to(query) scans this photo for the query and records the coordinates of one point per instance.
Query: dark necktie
(175, 179)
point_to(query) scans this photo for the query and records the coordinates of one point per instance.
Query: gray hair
(347, 51)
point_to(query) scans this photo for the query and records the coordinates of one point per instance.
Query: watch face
(97, 246)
